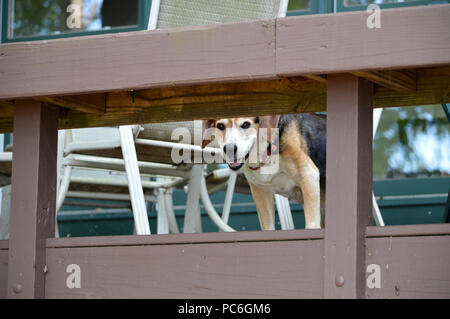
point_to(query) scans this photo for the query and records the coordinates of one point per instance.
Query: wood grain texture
(6, 108)
(396, 80)
(33, 196)
(134, 60)
(349, 184)
(4, 244)
(322, 44)
(88, 103)
(171, 239)
(411, 267)
(408, 230)
(216, 266)
(3, 268)
(282, 96)
(5, 173)
(206, 101)
(318, 44)
(432, 87)
(219, 270)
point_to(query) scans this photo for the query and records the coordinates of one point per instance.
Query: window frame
(331, 6)
(143, 16)
(340, 7)
(317, 7)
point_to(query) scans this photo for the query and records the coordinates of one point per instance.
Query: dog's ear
(207, 124)
(268, 124)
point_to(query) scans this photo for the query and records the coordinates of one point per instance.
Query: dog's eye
(220, 126)
(245, 125)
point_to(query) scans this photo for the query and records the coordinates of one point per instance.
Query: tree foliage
(412, 140)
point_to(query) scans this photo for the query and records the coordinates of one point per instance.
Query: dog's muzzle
(237, 164)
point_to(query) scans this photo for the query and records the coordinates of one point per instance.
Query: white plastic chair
(163, 14)
(171, 13)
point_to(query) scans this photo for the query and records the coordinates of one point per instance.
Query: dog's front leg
(264, 205)
(309, 182)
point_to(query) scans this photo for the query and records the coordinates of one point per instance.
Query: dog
(295, 145)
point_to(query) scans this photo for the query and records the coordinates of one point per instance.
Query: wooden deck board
(230, 69)
(263, 97)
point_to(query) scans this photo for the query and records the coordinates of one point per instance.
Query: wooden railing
(303, 64)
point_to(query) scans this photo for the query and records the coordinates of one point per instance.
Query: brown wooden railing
(302, 64)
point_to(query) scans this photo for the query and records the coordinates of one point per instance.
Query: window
(350, 5)
(301, 7)
(412, 142)
(42, 19)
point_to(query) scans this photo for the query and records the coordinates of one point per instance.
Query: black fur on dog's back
(313, 128)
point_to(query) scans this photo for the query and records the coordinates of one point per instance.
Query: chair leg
(375, 209)
(162, 221)
(192, 218)
(63, 173)
(229, 197)
(134, 180)
(284, 212)
(376, 212)
(173, 226)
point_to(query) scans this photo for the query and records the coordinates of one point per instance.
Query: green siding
(406, 201)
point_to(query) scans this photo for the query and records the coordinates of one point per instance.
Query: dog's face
(237, 137)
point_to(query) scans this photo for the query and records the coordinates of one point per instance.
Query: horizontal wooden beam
(183, 239)
(432, 87)
(317, 44)
(397, 80)
(6, 108)
(290, 95)
(89, 103)
(3, 269)
(408, 230)
(320, 78)
(408, 267)
(283, 96)
(399, 251)
(136, 60)
(335, 43)
(238, 270)
(263, 97)
(259, 94)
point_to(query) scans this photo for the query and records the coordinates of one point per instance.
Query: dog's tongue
(234, 163)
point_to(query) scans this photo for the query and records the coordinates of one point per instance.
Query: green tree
(34, 17)
(399, 142)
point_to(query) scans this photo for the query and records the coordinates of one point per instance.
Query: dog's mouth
(237, 164)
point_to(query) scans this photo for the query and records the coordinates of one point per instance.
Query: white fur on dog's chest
(279, 183)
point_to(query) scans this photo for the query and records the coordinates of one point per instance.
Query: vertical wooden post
(349, 184)
(33, 197)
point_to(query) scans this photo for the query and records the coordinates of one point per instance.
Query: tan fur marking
(304, 172)
(264, 201)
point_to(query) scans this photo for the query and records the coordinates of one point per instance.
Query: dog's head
(237, 137)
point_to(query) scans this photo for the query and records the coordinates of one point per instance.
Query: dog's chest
(277, 183)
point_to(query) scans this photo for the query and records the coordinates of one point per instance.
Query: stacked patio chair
(153, 142)
(92, 162)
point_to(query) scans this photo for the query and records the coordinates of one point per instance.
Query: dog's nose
(230, 149)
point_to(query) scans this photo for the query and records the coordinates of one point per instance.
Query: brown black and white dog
(279, 155)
